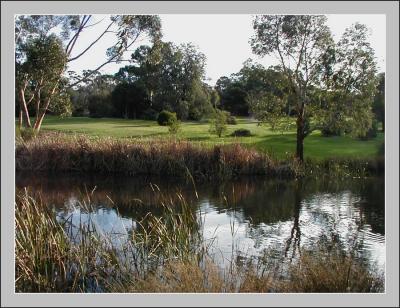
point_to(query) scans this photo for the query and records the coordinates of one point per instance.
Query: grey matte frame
(389, 8)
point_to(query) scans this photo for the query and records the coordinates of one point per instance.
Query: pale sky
(224, 39)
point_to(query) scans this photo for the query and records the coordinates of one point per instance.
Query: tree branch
(94, 42)
(112, 59)
(70, 47)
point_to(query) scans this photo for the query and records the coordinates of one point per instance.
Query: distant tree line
(161, 77)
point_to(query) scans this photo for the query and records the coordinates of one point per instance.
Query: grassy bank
(58, 152)
(275, 143)
(163, 254)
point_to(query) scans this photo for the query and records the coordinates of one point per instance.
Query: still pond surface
(249, 216)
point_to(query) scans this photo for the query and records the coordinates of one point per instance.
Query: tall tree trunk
(300, 138)
(38, 122)
(25, 108)
(20, 117)
(39, 119)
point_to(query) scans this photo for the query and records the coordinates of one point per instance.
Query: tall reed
(172, 157)
(150, 157)
(163, 254)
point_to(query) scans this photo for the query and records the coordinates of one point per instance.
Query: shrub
(241, 132)
(166, 117)
(174, 127)
(218, 123)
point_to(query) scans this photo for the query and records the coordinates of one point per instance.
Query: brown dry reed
(57, 152)
(164, 254)
(169, 157)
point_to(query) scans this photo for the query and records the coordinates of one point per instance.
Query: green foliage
(174, 127)
(332, 83)
(150, 114)
(42, 53)
(267, 108)
(129, 100)
(218, 124)
(171, 77)
(230, 119)
(100, 106)
(165, 118)
(241, 132)
(372, 132)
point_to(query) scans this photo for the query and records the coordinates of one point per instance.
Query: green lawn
(263, 138)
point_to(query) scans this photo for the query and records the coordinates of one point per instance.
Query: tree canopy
(326, 79)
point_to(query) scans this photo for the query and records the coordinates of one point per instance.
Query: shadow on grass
(134, 125)
(198, 138)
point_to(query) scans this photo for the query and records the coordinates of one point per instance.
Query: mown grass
(275, 143)
(164, 254)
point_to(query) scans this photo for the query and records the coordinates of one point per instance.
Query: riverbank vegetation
(173, 157)
(277, 144)
(162, 254)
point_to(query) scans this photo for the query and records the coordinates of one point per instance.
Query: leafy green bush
(241, 132)
(165, 117)
(174, 127)
(218, 123)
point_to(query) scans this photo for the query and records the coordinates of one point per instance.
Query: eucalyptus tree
(311, 61)
(301, 43)
(351, 84)
(46, 44)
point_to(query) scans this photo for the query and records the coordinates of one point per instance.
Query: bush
(174, 127)
(165, 117)
(241, 132)
(218, 123)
